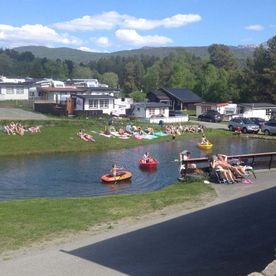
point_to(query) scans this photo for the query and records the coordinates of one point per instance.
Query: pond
(73, 175)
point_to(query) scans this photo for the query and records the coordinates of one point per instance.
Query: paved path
(100, 255)
(19, 114)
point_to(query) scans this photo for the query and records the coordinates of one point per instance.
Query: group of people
(84, 136)
(178, 130)
(230, 173)
(219, 164)
(18, 128)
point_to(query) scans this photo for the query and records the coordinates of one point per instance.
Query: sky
(109, 26)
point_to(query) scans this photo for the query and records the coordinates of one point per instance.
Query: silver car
(245, 125)
(269, 128)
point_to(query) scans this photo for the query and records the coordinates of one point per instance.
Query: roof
(257, 105)
(94, 96)
(102, 89)
(150, 104)
(183, 94)
(212, 104)
(160, 95)
(11, 84)
(62, 89)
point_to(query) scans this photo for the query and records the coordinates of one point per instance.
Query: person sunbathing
(239, 171)
(86, 137)
(225, 172)
(34, 129)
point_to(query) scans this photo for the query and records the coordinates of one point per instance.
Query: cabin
(260, 110)
(176, 98)
(148, 110)
(93, 104)
(14, 91)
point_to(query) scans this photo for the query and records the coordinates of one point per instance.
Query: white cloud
(87, 49)
(103, 41)
(175, 21)
(33, 35)
(256, 28)
(133, 38)
(112, 19)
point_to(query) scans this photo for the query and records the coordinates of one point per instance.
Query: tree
(82, 72)
(221, 57)
(137, 96)
(109, 78)
(6, 65)
(151, 78)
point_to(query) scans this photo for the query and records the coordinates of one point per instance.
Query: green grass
(23, 222)
(61, 136)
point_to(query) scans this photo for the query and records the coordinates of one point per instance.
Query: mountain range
(240, 52)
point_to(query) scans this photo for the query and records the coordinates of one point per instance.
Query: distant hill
(78, 56)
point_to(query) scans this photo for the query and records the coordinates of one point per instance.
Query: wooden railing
(242, 157)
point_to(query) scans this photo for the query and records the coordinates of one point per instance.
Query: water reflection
(70, 175)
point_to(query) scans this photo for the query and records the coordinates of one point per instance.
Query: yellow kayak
(205, 146)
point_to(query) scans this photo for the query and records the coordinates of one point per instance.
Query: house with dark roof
(176, 98)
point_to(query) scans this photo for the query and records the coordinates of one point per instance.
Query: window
(20, 90)
(151, 111)
(104, 103)
(162, 110)
(9, 90)
(267, 111)
(93, 104)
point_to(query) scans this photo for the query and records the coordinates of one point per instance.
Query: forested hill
(241, 53)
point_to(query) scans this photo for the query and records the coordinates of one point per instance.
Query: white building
(150, 109)
(260, 110)
(14, 91)
(94, 104)
(121, 105)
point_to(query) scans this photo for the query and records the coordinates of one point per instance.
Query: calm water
(71, 175)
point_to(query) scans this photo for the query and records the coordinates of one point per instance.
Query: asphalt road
(234, 238)
(20, 114)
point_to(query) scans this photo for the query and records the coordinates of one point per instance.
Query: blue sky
(108, 26)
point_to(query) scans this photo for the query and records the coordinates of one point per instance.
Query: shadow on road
(233, 238)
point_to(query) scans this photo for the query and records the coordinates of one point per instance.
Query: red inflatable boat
(152, 163)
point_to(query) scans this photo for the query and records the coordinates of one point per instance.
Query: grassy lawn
(61, 136)
(24, 222)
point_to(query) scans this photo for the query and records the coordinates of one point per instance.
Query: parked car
(257, 121)
(269, 128)
(210, 116)
(176, 113)
(245, 125)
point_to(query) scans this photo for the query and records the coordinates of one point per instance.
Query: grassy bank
(61, 136)
(24, 222)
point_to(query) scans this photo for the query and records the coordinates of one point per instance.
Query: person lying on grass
(86, 137)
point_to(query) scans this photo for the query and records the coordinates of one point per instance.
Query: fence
(169, 120)
(265, 160)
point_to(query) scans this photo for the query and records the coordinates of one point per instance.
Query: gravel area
(19, 114)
